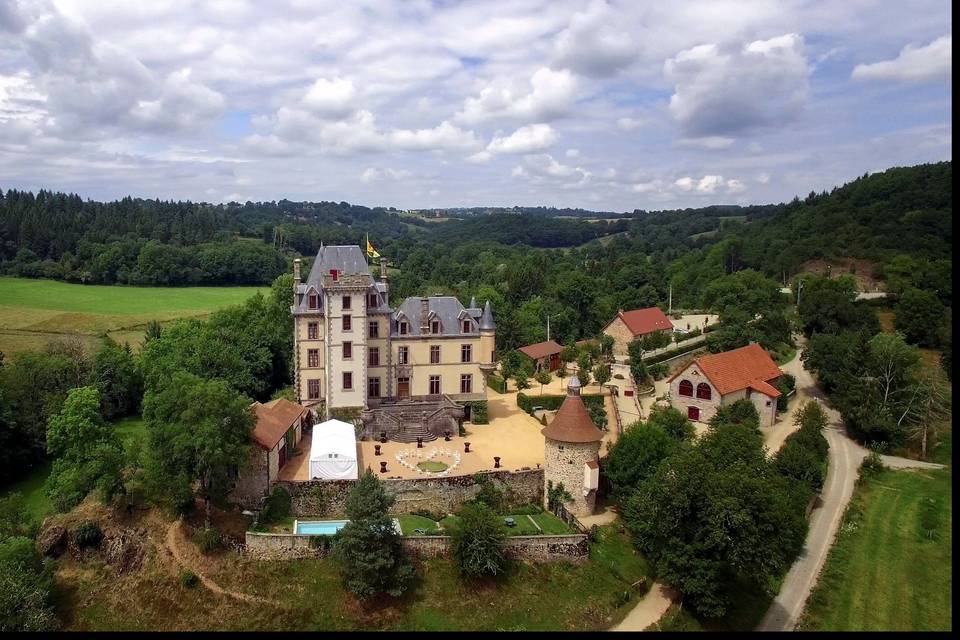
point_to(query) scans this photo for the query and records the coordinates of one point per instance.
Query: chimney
(296, 273)
(383, 269)
(424, 312)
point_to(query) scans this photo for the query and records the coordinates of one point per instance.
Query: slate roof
(274, 419)
(486, 320)
(448, 311)
(747, 367)
(541, 349)
(644, 321)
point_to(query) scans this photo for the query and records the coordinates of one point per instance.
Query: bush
(872, 465)
(478, 542)
(429, 515)
(658, 371)
(276, 507)
(478, 411)
(497, 383)
(489, 494)
(552, 403)
(207, 539)
(26, 582)
(527, 510)
(189, 579)
(87, 535)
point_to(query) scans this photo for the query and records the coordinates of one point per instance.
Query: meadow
(890, 568)
(33, 312)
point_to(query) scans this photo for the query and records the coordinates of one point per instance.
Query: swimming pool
(318, 527)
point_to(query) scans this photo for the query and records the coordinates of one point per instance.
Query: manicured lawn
(410, 522)
(550, 524)
(884, 571)
(433, 466)
(308, 595)
(33, 312)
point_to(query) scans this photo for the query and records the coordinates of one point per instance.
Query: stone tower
(571, 452)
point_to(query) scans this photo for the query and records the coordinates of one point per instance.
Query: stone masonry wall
(286, 546)
(564, 463)
(444, 495)
(252, 482)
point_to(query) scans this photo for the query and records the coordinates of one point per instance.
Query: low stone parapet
(544, 548)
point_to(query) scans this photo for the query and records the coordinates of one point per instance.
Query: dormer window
(467, 326)
(313, 301)
(403, 327)
(372, 301)
(435, 326)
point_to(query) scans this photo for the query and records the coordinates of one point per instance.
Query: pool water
(318, 527)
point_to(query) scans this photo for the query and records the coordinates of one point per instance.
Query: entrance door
(403, 387)
(693, 413)
(283, 455)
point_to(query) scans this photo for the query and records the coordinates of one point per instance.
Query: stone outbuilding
(698, 389)
(634, 325)
(571, 452)
(278, 430)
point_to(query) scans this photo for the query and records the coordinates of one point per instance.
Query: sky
(596, 104)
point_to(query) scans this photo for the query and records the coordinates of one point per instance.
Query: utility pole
(548, 328)
(670, 301)
(799, 289)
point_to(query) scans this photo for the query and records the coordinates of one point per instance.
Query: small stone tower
(571, 452)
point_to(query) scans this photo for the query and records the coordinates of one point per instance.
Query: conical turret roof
(486, 320)
(572, 422)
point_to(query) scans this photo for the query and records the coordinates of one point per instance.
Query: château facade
(353, 350)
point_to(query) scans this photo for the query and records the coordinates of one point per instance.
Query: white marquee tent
(333, 451)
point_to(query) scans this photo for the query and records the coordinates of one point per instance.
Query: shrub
(207, 539)
(276, 506)
(872, 465)
(189, 579)
(543, 419)
(489, 494)
(658, 371)
(478, 542)
(552, 403)
(26, 582)
(87, 535)
(429, 515)
(497, 383)
(531, 509)
(478, 411)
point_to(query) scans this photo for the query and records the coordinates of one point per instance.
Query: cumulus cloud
(595, 43)
(374, 174)
(549, 95)
(629, 124)
(526, 139)
(331, 97)
(914, 64)
(708, 185)
(540, 168)
(707, 142)
(725, 92)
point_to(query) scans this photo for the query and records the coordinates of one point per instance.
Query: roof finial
(573, 387)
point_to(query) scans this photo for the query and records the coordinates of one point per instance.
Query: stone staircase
(410, 431)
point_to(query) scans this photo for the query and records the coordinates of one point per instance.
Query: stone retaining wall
(288, 546)
(440, 495)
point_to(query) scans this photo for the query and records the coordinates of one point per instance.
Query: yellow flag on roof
(371, 251)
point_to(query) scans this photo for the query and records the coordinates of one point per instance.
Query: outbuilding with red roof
(634, 325)
(706, 383)
(545, 355)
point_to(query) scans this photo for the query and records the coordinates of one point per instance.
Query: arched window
(703, 391)
(686, 388)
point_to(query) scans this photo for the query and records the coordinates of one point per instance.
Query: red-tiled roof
(644, 321)
(572, 423)
(541, 349)
(274, 419)
(750, 366)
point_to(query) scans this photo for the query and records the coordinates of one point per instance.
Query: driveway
(845, 457)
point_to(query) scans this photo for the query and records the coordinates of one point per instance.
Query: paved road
(845, 457)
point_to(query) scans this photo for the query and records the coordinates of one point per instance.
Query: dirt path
(649, 610)
(184, 555)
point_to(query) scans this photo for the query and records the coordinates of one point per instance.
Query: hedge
(478, 411)
(497, 383)
(672, 354)
(552, 403)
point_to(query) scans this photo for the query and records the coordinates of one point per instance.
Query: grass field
(885, 572)
(308, 595)
(33, 312)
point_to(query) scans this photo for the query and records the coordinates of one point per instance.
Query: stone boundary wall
(544, 548)
(440, 495)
